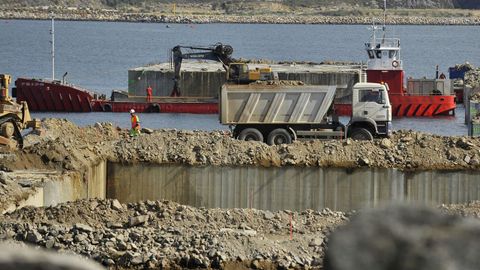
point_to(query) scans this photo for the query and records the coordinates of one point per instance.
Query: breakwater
(89, 14)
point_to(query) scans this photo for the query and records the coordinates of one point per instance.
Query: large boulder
(13, 257)
(405, 237)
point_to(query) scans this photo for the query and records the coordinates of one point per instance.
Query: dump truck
(278, 114)
(14, 117)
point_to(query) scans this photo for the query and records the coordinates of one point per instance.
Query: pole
(384, 14)
(52, 33)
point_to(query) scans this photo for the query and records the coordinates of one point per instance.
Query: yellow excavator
(14, 117)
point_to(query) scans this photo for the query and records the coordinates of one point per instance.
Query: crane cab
(4, 84)
(240, 73)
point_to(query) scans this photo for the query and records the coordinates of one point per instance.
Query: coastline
(123, 16)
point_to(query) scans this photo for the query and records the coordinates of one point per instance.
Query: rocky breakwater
(162, 234)
(91, 14)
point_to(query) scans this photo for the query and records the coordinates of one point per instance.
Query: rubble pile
(160, 234)
(404, 150)
(66, 146)
(472, 78)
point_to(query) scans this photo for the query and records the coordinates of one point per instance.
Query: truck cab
(371, 112)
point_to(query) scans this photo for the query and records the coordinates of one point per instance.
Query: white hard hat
(132, 111)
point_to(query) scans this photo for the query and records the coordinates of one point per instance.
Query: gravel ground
(155, 234)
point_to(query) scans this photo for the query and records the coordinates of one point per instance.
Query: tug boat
(385, 66)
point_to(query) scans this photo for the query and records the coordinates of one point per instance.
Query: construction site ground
(163, 234)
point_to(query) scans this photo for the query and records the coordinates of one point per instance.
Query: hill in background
(215, 4)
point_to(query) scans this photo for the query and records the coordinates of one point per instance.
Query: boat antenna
(52, 33)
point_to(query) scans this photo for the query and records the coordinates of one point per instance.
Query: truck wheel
(361, 134)
(250, 134)
(279, 136)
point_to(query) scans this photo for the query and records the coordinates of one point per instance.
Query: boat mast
(384, 14)
(52, 33)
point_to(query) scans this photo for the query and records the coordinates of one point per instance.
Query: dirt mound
(65, 146)
(160, 233)
(404, 150)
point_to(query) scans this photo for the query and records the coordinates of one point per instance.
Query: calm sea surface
(97, 56)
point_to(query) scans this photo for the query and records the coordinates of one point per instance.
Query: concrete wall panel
(289, 187)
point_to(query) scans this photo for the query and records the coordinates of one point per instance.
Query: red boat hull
(411, 106)
(45, 96)
(405, 105)
(156, 107)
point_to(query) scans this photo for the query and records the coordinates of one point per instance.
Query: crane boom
(218, 52)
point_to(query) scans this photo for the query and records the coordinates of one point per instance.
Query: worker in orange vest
(135, 130)
(149, 94)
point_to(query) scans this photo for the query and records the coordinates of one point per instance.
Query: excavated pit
(210, 169)
(193, 199)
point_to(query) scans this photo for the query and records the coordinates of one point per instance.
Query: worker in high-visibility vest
(135, 130)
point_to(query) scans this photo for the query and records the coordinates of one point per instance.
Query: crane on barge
(237, 72)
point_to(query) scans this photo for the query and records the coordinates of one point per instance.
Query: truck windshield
(369, 95)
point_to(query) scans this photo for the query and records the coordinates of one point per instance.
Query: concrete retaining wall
(70, 187)
(291, 188)
(74, 187)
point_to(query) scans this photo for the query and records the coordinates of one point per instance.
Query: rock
(50, 243)
(147, 130)
(386, 143)
(474, 162)
(33, 237)
(464, 144)
(83, 227)
(406, 139)
(268, 215)
(363, 161)
(80, 237)
(406, 237)
(4, 178)
(116, 205)
(315, 242)
(136, 260)
(467, 159)
(14, 257)
(138, 220)
(25, 183)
